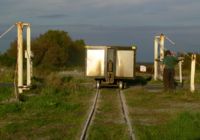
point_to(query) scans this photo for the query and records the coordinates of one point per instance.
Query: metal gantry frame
(20, 57)
(159, 54)
(159, 42)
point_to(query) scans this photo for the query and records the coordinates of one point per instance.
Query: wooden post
(20, 56)
(156, 58)
(162, 54)
(192, 78)
(180, 72)
(28, 53)
(162, 47)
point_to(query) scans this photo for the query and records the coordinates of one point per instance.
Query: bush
(52, 50)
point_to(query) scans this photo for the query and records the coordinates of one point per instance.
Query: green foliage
(5, 93)
(53, 50)
(9, 58)
(12, 51)
(6, 75)
(10, 108)
(6, 60)
(46, 112)
(77, 53)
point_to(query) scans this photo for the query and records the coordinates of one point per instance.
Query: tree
(53, 49)
(77, 53)
(56, 49)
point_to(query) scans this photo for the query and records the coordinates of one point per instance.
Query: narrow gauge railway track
(124, 111)
(90, 116)
(125, 114)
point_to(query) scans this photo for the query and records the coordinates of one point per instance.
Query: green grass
(57, 107)
(186, 126)
(108, 123)
(6, 75)
(164, 115)
(56, 110)
(5, 93)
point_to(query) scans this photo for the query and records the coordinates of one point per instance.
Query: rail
(125, 114)
(124, 110)
(90, 117)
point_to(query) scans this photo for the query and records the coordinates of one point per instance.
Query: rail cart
(112, 65)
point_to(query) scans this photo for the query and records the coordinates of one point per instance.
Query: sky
(112, 22)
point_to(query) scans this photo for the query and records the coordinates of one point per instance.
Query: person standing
(169, 62)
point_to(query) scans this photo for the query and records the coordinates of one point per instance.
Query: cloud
(111, 3)
(53, 16)
(102, 12)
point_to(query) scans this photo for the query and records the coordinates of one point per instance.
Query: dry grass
(149, 109)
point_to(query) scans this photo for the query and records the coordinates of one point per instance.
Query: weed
(5, 93)
(10, 108)
(7, 75)
(54, 109)
(164, 115)
(185, 127)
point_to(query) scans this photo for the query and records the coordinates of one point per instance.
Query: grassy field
(54, 110)
(164, 115)
(58, 104)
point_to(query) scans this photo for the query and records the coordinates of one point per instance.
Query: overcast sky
(109, 22)
(101, 12)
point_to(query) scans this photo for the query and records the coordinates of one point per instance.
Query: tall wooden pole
(180, 71)
(192, 78)
(20, 56)
(162, 54)
(28, 55)
(156, 58)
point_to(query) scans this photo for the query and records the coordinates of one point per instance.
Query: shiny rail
(124, 110)
(90, 117)
(125, 114)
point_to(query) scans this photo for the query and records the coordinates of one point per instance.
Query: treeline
(53, 49)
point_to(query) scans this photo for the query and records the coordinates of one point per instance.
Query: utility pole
(159, 42)
(156, 58)
(20, 56)
(192, 77)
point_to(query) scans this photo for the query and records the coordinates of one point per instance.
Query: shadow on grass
(139, 80)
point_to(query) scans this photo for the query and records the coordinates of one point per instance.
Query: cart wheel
(121, 84)
(124, 85)
(98, 84)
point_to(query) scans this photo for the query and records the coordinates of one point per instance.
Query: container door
(125, 63)
(95, 62)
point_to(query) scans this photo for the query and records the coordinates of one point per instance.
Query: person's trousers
(168, 78)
